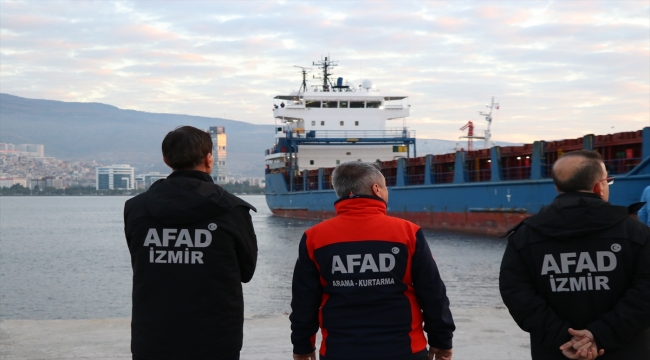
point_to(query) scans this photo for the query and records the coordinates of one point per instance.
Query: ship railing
(391, 180)
(444, 177)
(415, 179)
(547, 171)
(327, 184)
(516, 173)
(479, 175)
(357, 134)
(621, 165)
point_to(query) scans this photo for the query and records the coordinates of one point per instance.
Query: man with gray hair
(576, 276)
(368, 280)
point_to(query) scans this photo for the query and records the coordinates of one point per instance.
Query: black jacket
(192, 244)
(582, 263)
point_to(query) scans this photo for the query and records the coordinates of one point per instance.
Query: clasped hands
(582, 346)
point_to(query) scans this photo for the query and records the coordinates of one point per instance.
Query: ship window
(338, 162)
(311, 162)
(373, 104)
(322, 123)
(312, 104)
(330, 104)
(342, 123)
(343, 104)
(313, 123)
(356, 104)
(356, 123)
(279, 129)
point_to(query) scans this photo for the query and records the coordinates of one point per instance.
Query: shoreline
(481, 333)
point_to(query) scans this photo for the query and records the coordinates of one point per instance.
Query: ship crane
(470, 135)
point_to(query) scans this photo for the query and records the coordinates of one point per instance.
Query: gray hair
(356, 178)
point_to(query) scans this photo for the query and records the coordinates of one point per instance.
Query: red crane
(470, 134)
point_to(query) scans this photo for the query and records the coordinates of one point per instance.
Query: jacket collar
(194, 174)
(360, 204)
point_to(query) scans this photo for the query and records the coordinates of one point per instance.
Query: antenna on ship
(488, 118)
(303, 86)
(325, 65)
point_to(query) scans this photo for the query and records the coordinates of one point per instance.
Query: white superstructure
(332, 124)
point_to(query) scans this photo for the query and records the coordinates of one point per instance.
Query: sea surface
(65, 257)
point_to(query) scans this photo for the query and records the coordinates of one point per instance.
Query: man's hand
(439, 354)
(311, 356)
(582, 346)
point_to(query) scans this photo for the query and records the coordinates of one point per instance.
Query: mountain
(94, 131)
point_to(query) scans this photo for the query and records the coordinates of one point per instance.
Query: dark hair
(185, 147)
(584, 175)
(355, 177)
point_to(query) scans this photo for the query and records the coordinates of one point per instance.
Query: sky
(558, 69)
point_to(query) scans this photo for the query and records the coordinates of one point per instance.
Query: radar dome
(367, 84)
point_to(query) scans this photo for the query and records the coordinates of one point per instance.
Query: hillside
(108, 134)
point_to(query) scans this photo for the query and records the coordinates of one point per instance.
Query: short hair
(185, 147)
(584, 175)
(355, 177)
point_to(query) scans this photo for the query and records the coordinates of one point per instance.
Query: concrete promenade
(482, 333)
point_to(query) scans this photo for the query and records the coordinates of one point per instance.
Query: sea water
(65, 257)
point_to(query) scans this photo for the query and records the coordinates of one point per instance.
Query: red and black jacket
(370, 282)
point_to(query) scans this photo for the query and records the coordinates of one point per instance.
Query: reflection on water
(66, 258)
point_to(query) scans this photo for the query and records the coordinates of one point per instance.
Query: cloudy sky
(559, 69)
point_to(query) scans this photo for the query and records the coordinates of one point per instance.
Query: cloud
(559, 69)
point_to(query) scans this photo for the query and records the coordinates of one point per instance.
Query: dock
(481, 333)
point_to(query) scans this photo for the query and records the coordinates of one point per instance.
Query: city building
(35, 150)
(143, 181)
(9, 182)
(218, 134)
(115, 177)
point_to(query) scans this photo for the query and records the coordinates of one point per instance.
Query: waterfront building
(143, 181)
(115, 177)
(218, 134)
(9, 182)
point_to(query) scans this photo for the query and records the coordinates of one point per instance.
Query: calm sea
(66, 258)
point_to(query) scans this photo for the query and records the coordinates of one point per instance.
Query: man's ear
(208, 161)
(598, 189)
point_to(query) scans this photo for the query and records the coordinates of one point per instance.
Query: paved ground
(482, 333)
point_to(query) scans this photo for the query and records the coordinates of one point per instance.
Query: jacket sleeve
(306, 295)
(529, 310)
(127, 229)
(432, 295)
(631, 314)
(245, 244)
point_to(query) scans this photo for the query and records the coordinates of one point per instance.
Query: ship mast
(488, 118)
(303, 86)
(326, 65)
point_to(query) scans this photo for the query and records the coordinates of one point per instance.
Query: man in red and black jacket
(368, 280)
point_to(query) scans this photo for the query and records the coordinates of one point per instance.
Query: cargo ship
(484, 191)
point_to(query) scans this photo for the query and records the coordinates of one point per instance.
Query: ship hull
(489, 208)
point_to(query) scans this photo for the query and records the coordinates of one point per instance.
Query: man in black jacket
(192, 244)
(576, 276)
